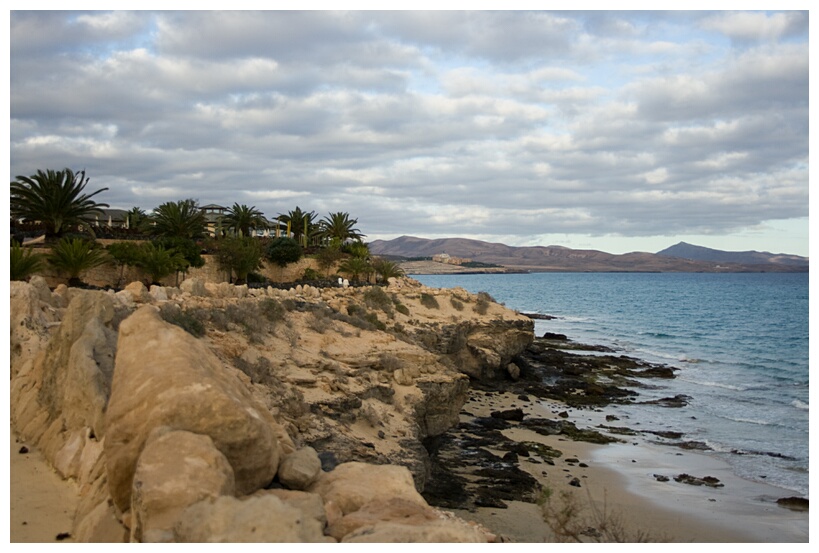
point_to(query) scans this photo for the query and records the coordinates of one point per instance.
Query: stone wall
(110, 274)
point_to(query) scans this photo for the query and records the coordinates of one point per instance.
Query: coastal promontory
(214, 412)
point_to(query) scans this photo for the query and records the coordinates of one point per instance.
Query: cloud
(448, 123)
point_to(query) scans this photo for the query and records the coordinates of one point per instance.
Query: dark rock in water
(793, 503)
(656, 372)
(524, 397)
(698, 446)
(680, 400)
(539, 316)
(554, 336)
(575, 482)
(709, 481)
(508, 414)
(661, 478)
(563, 415)
(610, 418)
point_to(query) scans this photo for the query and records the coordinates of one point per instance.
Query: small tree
(159, 262)
(74, 257)
(355, 267)
(327, 257)
(241, 255)
(124, 254)
(387, 269)
(282, 251)
(24, 262)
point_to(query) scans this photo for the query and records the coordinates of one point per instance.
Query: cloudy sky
(618, 131)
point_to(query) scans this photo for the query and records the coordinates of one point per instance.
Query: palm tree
(182, 219)
(355, 267)
(387, 269)
(24, 262)
(137, 219)
(159, 262)
(339, 226)
(75, 256)
(300, 224)
(242, 218)
(55, 199)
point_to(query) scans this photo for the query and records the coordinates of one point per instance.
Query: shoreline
(619, 479)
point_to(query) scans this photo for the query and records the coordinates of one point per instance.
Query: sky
(610, 130)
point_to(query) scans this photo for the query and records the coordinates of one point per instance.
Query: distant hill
(558, 258)
(699, 253)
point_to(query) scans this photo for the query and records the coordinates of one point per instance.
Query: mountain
(700, 253)
(558, 258)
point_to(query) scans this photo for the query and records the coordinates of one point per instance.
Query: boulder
(257, 519)
(193, 286)
(299, 469)
(175, 470)
(166, 377)
(351, 485)
(440, 531)
(395, 509)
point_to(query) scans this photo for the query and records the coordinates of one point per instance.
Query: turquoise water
(739, 340)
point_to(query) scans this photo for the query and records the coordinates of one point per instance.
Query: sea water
(740, 341)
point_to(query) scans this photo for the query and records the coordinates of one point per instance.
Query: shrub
(482, 305)
(190, 323)
(74, 256)
(240, 255)
(376, 298)
(429, 301)
(283, 251)
(403, 309)
(456, 304)
(272, 310)
(24, 262)
(158, 262)
(311, 274)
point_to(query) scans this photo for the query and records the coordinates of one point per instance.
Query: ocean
(740, 341)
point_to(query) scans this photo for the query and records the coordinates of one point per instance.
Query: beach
(619, 480)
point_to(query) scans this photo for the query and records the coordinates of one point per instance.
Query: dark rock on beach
(793, 503)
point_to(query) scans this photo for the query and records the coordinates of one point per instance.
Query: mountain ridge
(563, 259)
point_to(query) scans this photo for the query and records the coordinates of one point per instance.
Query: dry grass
(573, 522)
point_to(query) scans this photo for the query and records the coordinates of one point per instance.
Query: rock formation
(214, 413)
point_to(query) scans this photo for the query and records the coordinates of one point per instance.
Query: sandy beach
(620, 481)
(42, 504)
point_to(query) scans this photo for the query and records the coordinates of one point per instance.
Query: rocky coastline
(385, 414)
(181, 412)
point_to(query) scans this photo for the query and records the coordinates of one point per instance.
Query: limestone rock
(256, 519)
(138, 291)
(299, 469)
(394, 509)
(193, 286)
(310, 504)
(77, 365)
(352, 485)
(439, 531)
(175, 470)
(166, 377)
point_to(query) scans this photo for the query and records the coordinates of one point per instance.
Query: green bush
(240, 255)
(283, 251)
(74, 256)
(24, 262)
